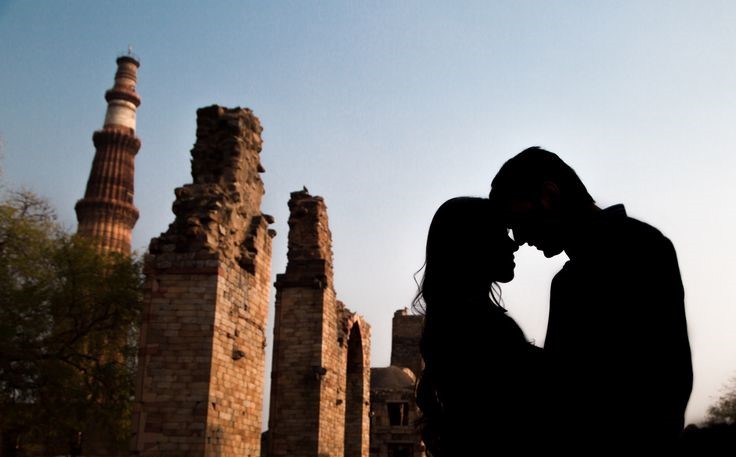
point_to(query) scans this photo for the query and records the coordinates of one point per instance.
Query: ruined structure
(394, 410)
(199, 386)
(202, 345)
(406, 334)
(106, 214)
(321, 357)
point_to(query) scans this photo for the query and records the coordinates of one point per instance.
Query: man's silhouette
(620, 371)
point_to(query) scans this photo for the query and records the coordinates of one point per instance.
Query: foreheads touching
(524, 177)
(536, 191)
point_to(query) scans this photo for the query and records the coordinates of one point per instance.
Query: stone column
(406, 334)
(305, 335)
(202, 350)
(320, 379)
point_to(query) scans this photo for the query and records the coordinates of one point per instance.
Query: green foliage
(68, 317)
(724, 410)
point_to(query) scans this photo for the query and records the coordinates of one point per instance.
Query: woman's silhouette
(477, 389)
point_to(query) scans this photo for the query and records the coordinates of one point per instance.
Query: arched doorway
(355, 407)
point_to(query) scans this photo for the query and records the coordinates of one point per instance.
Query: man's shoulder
(640, 227)
(632, 238)
(616, 216)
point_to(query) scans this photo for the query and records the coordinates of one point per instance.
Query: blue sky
(387, 109)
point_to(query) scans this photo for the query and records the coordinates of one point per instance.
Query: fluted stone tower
(106, 214)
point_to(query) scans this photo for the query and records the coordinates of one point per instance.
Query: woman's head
(468, 249)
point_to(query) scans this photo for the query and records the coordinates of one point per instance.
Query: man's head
(540, 195)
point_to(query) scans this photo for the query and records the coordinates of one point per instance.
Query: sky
(387, 109)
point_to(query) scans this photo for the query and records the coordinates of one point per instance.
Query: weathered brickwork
(106, 214)
(394, 412)
(202, 343)
(321, 378)
(406, 333)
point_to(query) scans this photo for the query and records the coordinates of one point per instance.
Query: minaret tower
(106, 214)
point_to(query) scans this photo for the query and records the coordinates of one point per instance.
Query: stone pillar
(202, 345)
(319, 347)
(106, 214)
(406, 334)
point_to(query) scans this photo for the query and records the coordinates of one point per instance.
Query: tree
(724, 410)
(68, 323)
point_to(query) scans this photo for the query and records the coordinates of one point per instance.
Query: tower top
(122, 99)
(129, 56)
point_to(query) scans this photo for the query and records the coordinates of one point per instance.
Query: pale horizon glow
(387, 109)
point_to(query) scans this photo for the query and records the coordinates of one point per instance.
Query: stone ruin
(320, 381)
(394, 411)
(199, 390)
(199, 387)
(220, 211)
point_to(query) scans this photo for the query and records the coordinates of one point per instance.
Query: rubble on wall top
(219, 212)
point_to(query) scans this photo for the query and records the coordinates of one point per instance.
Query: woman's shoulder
(495, 326)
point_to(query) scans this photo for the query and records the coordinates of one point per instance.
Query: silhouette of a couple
(615, 373)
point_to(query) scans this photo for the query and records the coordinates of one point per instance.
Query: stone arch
(357, 377)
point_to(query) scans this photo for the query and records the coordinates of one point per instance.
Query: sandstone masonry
(406, 334)
(321, 359)
(202, 345)
(394, 411)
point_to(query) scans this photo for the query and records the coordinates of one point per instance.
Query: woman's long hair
(455, 274)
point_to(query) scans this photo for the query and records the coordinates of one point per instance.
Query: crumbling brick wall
(406, 334)
(202, 345)
(320, 380)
